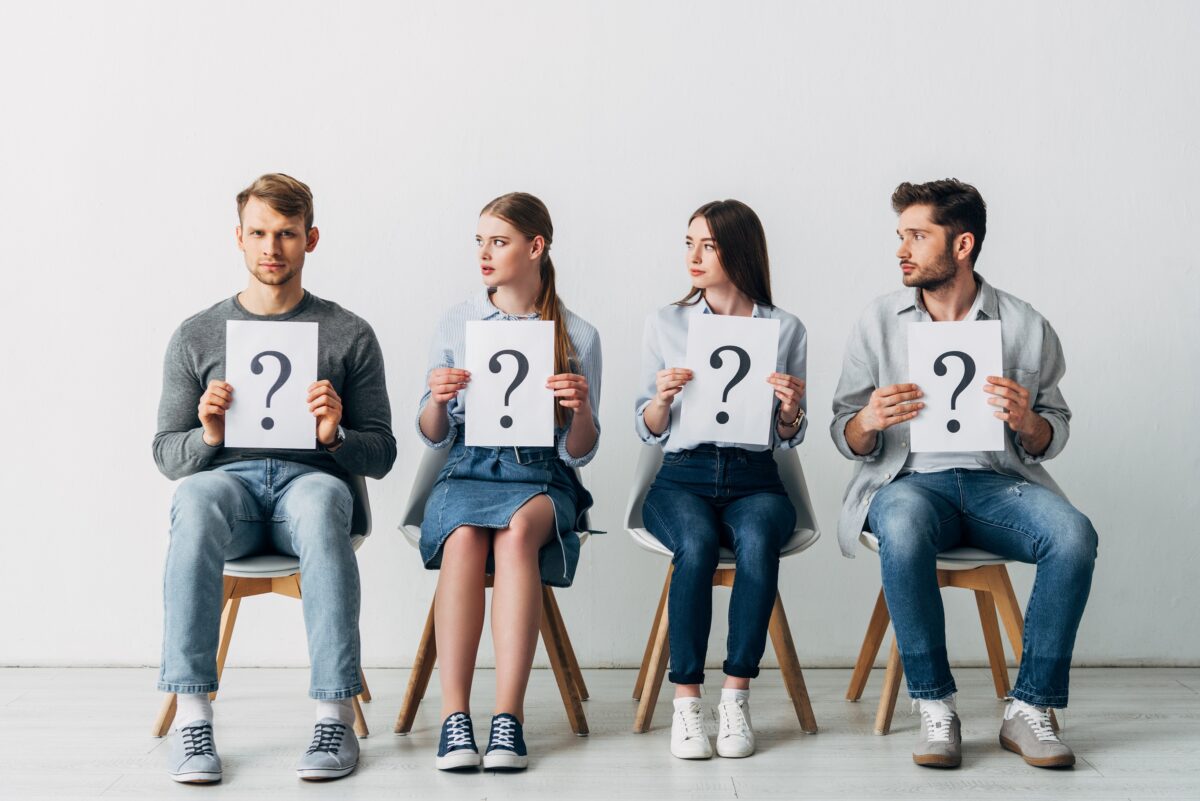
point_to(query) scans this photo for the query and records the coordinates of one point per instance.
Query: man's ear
(964, 245)
(311, 244)
(237, 235)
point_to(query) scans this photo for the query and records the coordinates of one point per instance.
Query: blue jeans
(703, 499)
(920, 514)
(253, 507)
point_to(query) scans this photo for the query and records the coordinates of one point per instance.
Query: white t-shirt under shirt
(935, 461)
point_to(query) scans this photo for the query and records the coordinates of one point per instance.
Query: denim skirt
(485, 487)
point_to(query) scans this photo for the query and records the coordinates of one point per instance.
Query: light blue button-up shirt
(447, 350)
(665, 345)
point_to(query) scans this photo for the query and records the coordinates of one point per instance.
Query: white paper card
(728, 398)
(957, 416)
(270, 367)
(506, 401)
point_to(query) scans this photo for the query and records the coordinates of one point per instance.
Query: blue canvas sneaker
(506, 745)
(457, 748)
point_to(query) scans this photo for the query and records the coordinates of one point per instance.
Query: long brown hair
(742, 246)
(530, 216)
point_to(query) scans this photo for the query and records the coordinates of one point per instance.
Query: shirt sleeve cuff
(578, 461)
(643, 431)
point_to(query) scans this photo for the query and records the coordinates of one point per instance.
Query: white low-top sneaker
(688, 739)
(735, 735)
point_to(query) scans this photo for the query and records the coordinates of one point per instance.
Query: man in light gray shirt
(918, 504)
(235, 502)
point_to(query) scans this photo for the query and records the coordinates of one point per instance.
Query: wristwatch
(795, 423)
(338, 439)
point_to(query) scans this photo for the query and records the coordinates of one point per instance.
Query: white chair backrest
(432, 462)
(790, 473)
(360, 525)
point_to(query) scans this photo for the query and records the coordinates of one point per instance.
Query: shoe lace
(458, 730)
(327, 738)
(198, 740)
(733, 720)
(937, 719)
(1039, 721)
(693, 722)
(504, 732)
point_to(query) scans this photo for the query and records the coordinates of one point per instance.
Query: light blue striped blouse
(665, 345)
(447, 351)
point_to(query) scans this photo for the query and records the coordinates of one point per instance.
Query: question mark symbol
(522, 371)
(285, 370)
(716, 362)
(939, 368)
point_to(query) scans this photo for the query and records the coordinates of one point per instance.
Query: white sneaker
(688, 740)
(735, 736)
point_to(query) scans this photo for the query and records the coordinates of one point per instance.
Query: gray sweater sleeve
(370, 447)
(179, 448)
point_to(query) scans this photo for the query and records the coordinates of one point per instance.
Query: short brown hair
(283, 193)
(957, 206)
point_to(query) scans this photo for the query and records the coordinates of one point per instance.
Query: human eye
(499, 243)
(709, 247)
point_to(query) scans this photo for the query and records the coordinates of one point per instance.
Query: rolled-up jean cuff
(740, 671)
(335, 695)
(936, 694)
(1051, 701)
(678, 678)
(187, 689)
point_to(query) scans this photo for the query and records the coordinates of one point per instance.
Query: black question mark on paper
(285, 370)
(522, 371)
(715, 362)
(939, 367)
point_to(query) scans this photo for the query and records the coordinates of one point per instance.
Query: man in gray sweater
(234, 502)
(918, 504)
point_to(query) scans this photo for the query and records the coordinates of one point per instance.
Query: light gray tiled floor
(84, 733)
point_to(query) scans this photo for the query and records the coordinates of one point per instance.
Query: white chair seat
(272, 565)
(953, 559)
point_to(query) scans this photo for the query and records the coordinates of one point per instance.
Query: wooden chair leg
(229, 610)
(891, 689)
(658, 613)
(656, 669)
(789, 666)
(360, 722)
(1010, 610)
(572, 663)
(165, 715)
(418, 679)
(556, 650)
(991, 638)
(365, 695)
(870, 649)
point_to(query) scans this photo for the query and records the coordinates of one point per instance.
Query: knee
(520, 540)
(203, 498)
(1074, 540)
(757, 551)
(467, 543)
(322, 497)
(696, 554)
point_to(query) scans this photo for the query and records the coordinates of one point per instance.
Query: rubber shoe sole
(504, 760)
(1064, 761)
(458, 760)
(196, 777)
(936, 761)
(325, 774)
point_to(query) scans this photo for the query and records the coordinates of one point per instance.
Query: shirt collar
(989, 301)
(487, 310)
(702, 307)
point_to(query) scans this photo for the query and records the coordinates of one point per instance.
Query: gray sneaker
(1027, 731)
(333, 753)
(192, 754)
(940, 745)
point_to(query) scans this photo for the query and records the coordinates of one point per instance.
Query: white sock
(1016, 704)
(340, 709)
(190, 707)
(685, 702)
(731, 694)
(949, 701)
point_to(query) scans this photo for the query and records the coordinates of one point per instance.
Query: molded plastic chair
(968, 568)
(657, 653)
(280, 574)
(554, 631)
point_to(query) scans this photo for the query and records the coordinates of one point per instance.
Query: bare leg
(517, 600)
(458, 614)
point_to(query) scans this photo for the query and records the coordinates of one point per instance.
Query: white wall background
(129, 127)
